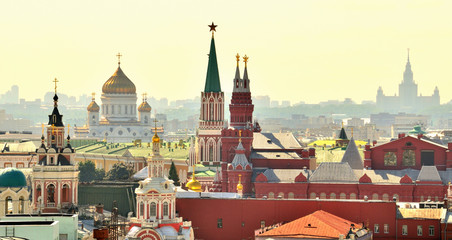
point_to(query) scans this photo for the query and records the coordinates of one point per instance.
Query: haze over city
(307, 51)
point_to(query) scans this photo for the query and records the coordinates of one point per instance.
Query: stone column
(43, 188)
(59, 194)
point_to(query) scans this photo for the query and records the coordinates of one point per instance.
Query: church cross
(55, 81)
(119, 58)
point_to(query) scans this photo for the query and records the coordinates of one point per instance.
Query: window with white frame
(419, 230)
(153, 209)
(386, 228)
(165, 209)
(376, 228)
(404, 230)
(431, 230)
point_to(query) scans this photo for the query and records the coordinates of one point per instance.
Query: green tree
(89, 173)
(173, 174)
(120, 171)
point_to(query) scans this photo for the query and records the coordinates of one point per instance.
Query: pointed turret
(408, 74)
(246, 80)
(213, 77)
(352, 156)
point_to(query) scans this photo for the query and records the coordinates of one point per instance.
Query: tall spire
(246, 81)
(408, 74)
(213, 77)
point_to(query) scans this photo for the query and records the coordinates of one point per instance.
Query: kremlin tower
(211, 120)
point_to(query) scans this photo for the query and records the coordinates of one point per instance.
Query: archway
(8, 205)
(51, 193)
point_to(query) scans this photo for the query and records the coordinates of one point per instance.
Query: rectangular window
(220, 223)
(404, 230)
(386, 228)
(419, 230)
(376, 228)
(431, 230)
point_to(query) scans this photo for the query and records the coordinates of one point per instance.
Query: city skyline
(299, 51)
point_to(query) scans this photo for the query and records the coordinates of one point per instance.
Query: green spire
(212, 78)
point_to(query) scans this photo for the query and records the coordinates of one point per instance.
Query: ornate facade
(55, 176)
(156, 205)
(119, 122)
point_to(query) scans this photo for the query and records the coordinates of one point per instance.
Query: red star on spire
(212, 27)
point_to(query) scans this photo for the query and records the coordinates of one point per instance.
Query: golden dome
(239, 186)
(155, 138)
(144, 107)
(93, 107)
(119, 83)
(194, 185)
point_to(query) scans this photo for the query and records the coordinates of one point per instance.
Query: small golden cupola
(119, 83)
(93, 107)
(239, 185)
(194, 184)
(144, 106)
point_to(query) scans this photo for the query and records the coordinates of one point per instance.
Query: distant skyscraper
(408, 99)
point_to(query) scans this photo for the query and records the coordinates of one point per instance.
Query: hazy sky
(310, 50)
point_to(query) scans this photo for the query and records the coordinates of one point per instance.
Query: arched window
(65, 197)
(333, 196)
(323, 195)
(21, 204)
(312, 196)
(290, 195)
(153, 209)
(352, 195)
(271, 195)
(281, 195)
(165, 209)
(8, 205)
(210, 153)
(385, 197)
(343, 196)
(38, 192)
(375, 196)
(51, 194)
(141, 209)
(396, 196)
(421, 199)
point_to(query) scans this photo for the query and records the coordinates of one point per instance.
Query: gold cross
(94, 96)
(238, 59)
(144, 96)
(119, 57)
(68, 129)
(55, 81)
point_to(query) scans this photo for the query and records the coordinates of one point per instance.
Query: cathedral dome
(93, 107)
(119, 83)
(12, 177)
(144, 107)
(194, 184)
(156, 137)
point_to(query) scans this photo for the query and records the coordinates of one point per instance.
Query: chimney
(374, 142)
(311, 152)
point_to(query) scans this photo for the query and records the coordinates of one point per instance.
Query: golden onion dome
(194, 185)
(239, 186)
(155, 138)
(119, 83)
(93, 107)
(144, 107)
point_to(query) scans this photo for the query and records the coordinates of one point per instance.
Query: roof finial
(240, 135)
(238, 59)
(119, 58)
(55, 81)
(42, 129)
(212, 28)
(352, 131)
(93, 96)
(245, 59)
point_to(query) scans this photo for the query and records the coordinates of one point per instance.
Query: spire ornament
(408, 50)
(55, 81)
(238, 59)
(119, 58)
(93, 96)
(245, 59)
(212, 28)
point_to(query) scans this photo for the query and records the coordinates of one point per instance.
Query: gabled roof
(411, 138)
(275, 141)
(429, 174)
(319, 224)
(333, 172)
(352, 156)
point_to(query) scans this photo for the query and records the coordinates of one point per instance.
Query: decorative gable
(301, 178)
(406, 180)
(365, 179)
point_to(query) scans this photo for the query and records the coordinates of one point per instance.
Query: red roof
(319, 224)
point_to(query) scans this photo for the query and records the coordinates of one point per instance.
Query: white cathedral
(118, 121)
